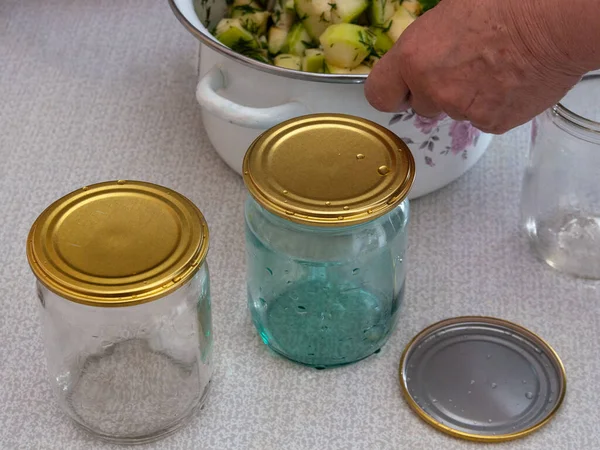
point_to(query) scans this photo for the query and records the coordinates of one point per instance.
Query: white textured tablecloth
(104, 89)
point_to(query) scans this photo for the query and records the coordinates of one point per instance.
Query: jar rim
(577, 120)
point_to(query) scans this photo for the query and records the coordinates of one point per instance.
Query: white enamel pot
(241, 97)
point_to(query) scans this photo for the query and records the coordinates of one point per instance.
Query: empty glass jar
(560, 205)
(124, 297)
(326, 236)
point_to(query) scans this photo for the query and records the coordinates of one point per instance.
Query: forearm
(563, 35)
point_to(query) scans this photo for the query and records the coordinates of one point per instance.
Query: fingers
(385, 88)
(423, 105)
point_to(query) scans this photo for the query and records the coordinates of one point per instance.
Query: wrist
(559, 35)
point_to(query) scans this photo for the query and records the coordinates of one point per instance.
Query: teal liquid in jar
(326, 223)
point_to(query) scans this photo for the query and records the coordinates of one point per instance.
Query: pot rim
(201, 35)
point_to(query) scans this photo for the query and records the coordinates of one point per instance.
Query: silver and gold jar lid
(329, 170)
(482, 379)
(117, 243)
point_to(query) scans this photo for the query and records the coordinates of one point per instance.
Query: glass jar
(124, 297)
(326, 236)
(560, 205)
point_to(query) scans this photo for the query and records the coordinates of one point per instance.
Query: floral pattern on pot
(435, 137)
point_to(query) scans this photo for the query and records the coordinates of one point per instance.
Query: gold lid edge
(176, 281)
(471, 436)
(338, 218)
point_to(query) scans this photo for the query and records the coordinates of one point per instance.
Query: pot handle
(245, 116)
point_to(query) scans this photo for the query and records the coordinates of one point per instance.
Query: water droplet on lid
(262, 301)
(489, 356)
(360, 156)
(469, 392)
(550, 400)
(269, 270)
(383, 170)
(489, 420)
(346, 208)
(340, 217)
(245, 172)
(355, 271)
(289, 213)
(85, 188)
(407, 378)
(121, 181)
(285, 201)
(328, 203)
(494, 385)
(472, 381)
(524, 381)
(529, 395)
(450, 400)
(285, 192)
(434, 400)
(416, 397)
(370, 211)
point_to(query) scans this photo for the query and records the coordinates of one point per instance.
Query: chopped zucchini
(382, 42)
(381, 11)
(241, 7)
(398, 23)
(288, 61)
(371, 61)
(255, 23)
(359, 70)
(315, 15)
(232, 33)
(297, 41)
(313, 61)
(347, 11)
(337, 36)
(412, 6)
(283, 17)
(277, 38)
(346, 45)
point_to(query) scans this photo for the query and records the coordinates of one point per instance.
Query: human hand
(495, 63)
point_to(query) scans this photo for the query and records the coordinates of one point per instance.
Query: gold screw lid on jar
(329, 170)
(117, 243)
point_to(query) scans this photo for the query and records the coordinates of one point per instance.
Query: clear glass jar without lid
(560, 204)
(326, 236)
(125, 307)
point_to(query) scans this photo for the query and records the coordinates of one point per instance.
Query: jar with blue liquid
(326, 226)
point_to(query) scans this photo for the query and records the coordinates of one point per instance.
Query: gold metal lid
(482, 378)
(117, 243)
(329, 170)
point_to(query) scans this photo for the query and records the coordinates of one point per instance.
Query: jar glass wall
(325, 296)
(124, 290)
(560, 204)
(130, 374)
